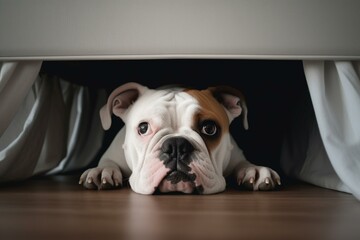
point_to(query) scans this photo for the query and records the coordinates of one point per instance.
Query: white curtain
(45, 122)
(325, 149)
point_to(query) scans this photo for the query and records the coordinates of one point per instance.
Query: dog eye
(209, 128)
(144, 128)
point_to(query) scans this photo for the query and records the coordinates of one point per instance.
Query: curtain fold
(323, 147)
(335, 93)
(45, 123)
(16, 79)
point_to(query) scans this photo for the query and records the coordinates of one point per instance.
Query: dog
(175, 140)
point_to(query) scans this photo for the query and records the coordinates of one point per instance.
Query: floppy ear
(233, 101)
(119, 101)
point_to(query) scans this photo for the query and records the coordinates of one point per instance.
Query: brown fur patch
(211, 109)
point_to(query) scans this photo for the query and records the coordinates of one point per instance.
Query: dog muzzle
(176, 154)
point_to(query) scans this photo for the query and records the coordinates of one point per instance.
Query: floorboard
(58, 208)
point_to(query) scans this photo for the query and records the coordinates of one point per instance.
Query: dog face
(176, 139)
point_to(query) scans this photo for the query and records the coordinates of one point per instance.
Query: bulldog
(175, 140)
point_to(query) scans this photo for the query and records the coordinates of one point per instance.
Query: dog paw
(101, 178)
(258, 178)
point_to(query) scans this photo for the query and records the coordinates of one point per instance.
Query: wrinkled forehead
(172, 106)
(168, 98)
(179, 108)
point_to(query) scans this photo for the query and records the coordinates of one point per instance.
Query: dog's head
(176, 139)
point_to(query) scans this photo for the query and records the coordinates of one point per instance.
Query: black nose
(175, 152)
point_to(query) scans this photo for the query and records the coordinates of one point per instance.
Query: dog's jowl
(175, 140)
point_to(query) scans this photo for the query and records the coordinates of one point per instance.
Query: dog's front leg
(109, 173)
(251, 176)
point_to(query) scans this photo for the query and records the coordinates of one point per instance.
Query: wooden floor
(58, 208)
